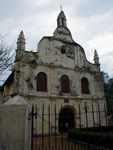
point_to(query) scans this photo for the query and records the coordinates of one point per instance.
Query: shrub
(92, 137)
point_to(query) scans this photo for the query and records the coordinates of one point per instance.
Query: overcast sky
(90, 22)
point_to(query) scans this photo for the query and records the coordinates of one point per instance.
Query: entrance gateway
(66, 119)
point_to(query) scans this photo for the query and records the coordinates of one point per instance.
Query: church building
(58, 74)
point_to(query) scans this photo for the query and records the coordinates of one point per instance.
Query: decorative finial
(21, 41)
(96, 58)
(61, 20)
(61, 7)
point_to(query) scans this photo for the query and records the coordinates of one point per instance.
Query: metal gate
(48, 136)
(51, 139)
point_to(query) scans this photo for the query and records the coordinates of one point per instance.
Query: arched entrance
(66, 119)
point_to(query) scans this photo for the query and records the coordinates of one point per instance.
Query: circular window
(63, 50)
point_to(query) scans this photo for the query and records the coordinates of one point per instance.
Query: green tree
(108, 88)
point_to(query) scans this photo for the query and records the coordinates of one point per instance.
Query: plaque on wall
(66, 100)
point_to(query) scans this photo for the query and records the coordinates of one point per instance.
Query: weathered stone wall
(54, 74)
(60, 102)
(74, 56)
(55, 64)
(1, 97)
(14, 127)
(8, 91)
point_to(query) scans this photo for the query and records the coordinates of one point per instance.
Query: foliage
(108, 89)
(29, 84)
(99, 129)
(92, 137)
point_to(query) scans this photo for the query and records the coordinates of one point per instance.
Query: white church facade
(59, 75)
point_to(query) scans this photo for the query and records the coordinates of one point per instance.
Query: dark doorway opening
(66, 119)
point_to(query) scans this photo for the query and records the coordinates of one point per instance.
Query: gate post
(32, 111)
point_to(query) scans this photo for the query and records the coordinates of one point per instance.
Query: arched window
(65, 85)
(41, 82)
(85, 86)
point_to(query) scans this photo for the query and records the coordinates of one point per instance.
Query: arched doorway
(66, 119)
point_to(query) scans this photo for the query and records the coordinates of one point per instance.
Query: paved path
(62, 143)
